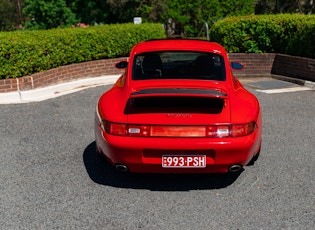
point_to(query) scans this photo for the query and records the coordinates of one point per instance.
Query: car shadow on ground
(101, 172)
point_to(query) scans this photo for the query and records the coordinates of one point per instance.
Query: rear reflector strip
(178, 131)
(214, 131)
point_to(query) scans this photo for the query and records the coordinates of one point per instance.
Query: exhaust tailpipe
(121, 168)
(235, 168)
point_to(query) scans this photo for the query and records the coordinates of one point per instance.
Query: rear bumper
(141, 154)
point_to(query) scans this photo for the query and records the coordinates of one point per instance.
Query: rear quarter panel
(245, 108)
(244, 105)
(111, 104)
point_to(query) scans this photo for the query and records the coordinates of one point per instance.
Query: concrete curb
(41, 94)
(308, 84)
(54, 91)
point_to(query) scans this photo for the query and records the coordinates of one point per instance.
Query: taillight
(214, 131)
(117, 129)
(243, 129)
(218, 131)
(121, 129)
(139, 130)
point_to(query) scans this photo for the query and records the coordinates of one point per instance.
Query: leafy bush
(291, 34)
(23, 53)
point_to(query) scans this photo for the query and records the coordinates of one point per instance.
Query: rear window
(178, 65)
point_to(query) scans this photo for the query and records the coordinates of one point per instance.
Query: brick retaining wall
(61, 74)
(256, 65)
(296, 67)
(279, 64)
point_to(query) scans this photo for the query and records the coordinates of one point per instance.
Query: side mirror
(237, 65)
(121, 65)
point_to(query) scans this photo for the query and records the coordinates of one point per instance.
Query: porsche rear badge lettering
(179, 115)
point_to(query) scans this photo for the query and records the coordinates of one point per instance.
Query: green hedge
(291, 34)
(23, 53)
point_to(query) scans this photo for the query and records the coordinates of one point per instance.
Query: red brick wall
(8, 85)
(62, 74)
(296, 67)
(255, 65)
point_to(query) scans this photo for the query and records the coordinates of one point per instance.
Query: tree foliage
(48, 14)
(180, 16)
(7, 15)
(292, 34)
(237, 8)
(284, 6)
(126, 10)
(90, 12)
(191, 15)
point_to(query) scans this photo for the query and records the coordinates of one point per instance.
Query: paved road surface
(51, 178)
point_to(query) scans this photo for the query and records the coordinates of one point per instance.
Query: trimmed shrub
(291, 34)
(23, 53)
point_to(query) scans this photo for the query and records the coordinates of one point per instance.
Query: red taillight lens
(118, 129)
(218, 131)
(243, 130)
(139, 130)
(121, 129)
(214, 131)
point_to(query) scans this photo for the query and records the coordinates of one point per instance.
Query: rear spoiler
(160, 92)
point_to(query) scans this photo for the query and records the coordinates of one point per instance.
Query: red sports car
(178, 108)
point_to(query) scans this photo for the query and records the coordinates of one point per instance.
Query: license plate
(169, 161)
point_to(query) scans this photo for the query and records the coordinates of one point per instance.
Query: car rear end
(166, 131)
(177, 116)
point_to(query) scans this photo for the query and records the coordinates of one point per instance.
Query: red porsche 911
(178, 108)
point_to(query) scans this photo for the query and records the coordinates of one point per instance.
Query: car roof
(178, 45)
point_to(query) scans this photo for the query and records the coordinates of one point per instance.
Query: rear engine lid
(178, 106)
